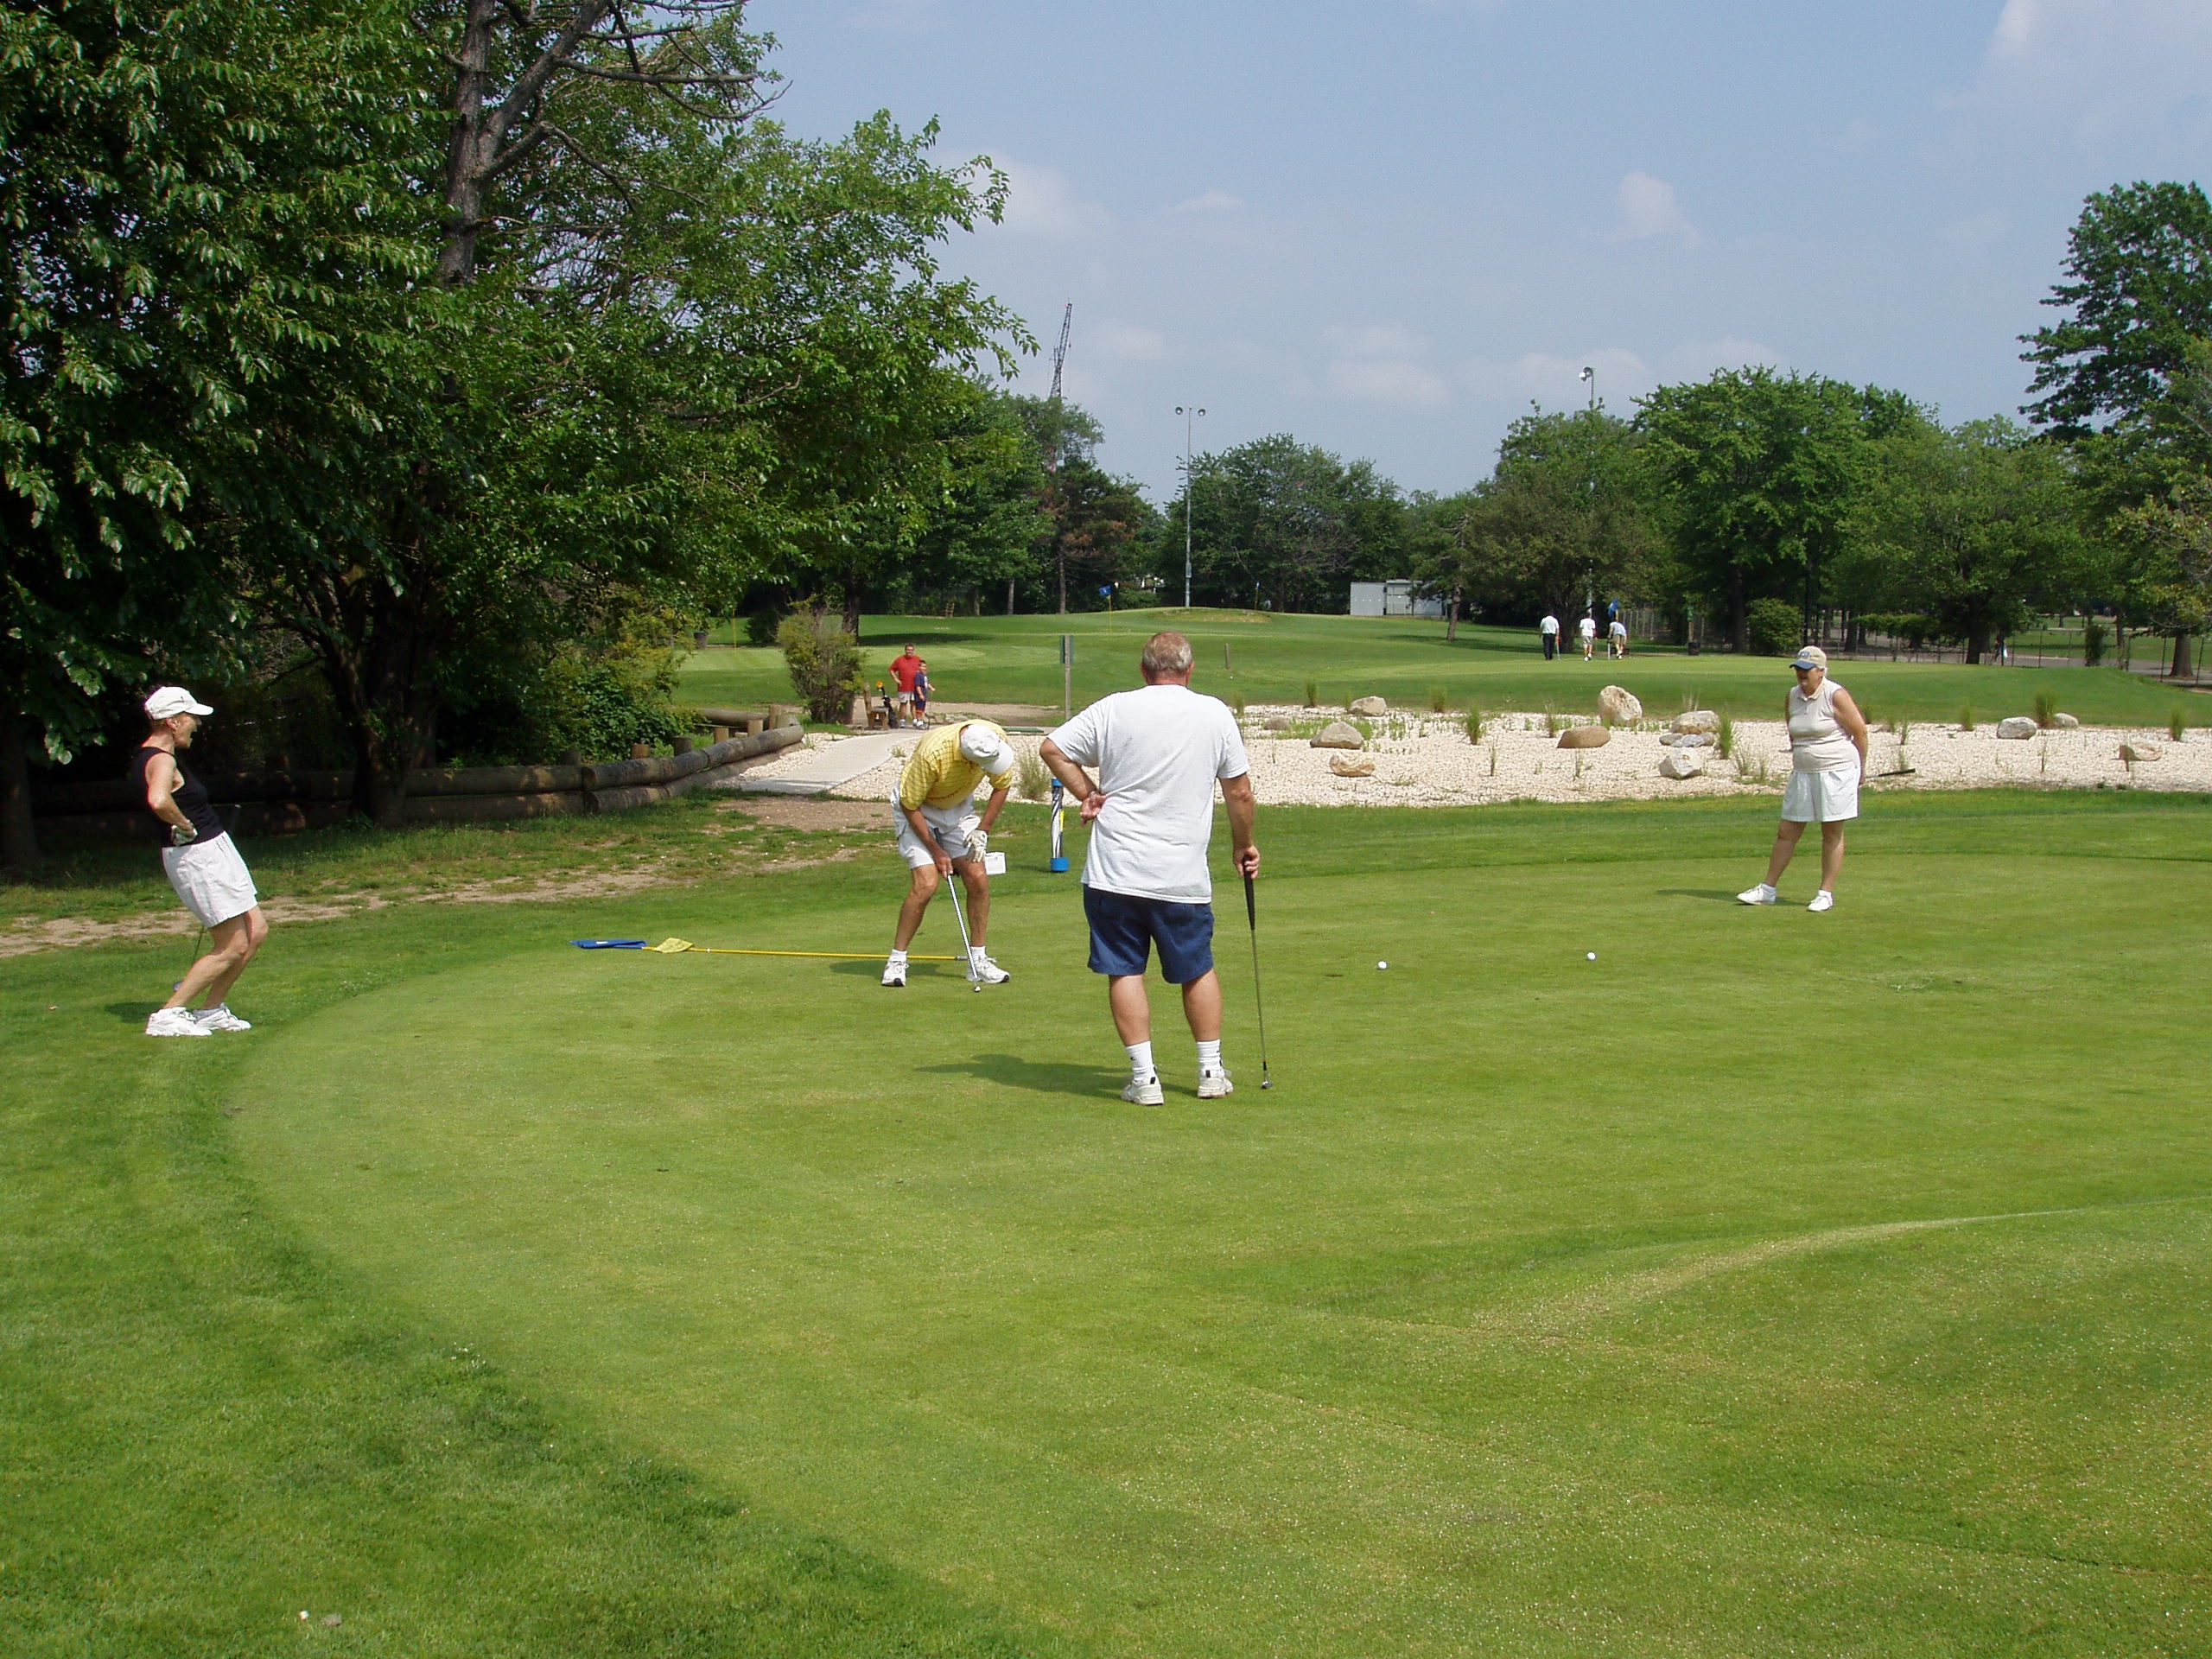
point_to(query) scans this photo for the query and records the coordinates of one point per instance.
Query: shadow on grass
(129, 1014)
(1711, 896)
(1043, 1076)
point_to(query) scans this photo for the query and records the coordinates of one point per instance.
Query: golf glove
(182, 834)
(979, 843)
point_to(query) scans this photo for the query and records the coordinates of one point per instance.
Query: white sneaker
(174, 1022)
(1762, 895)
(1822, 900)
(219, 1018)
(1147, 1093)
(1212, 1086)
(894, 974)
(988, 971)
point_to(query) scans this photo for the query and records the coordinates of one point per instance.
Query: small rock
(1697, 720)
(1617, 706)
(2064, 722)
(1337, 735)
(1687, 739)
(2131, 752)
(1681, 763)
(1584, 737)
(2016, 726)
(332, 1621)
(1352, 766)
(1372, 708)
(1276, 723)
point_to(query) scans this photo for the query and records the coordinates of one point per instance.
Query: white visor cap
(987, 749)
(171, 700)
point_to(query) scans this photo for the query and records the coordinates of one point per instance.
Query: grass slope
(1269, 659)
(1772, 1284)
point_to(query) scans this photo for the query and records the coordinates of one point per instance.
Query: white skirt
(1827, 796)
(212, 879)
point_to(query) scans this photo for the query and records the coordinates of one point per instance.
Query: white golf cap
(169, 700)
(982, 745)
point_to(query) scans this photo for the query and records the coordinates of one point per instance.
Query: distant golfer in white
(939, 833)
(203, 865)
(1548, 629)
(1587, 627)
(1827, 762)
(1617, 638)
(1159, 752)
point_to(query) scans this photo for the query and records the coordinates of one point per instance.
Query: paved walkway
(827, 766)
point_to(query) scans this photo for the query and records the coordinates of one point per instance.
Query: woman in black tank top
(204, 866)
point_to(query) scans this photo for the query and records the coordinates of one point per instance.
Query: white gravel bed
(1427, 761)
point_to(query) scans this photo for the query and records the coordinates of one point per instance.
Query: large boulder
(1352, 765)
(1617, 706)
(1697, 720)
(1584, 737)
(1370, 708)
(1276, 723)
(2064, 722)
(1339, 734)
(2016, 726)
(1681, 763)
(2131, 752)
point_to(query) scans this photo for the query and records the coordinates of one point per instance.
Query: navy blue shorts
(1124, 929)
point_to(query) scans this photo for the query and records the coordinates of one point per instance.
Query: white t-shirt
(1157, 754)
(1618, 630)
(1549, 624)
(1588, 627)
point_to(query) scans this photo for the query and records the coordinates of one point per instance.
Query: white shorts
(212, 879)
(1829, 796)
(951, 825)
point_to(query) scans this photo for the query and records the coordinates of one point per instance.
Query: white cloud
(2098, 65)
(1648, 208)
(1123, 342)
(1042, 203)
(1213, 201)
(1383, 365)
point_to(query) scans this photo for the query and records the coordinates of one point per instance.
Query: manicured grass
(1773, 1284)
(1270, 657)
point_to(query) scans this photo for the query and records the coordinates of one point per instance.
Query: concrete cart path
(827, 766)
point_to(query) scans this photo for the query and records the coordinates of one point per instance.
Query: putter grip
(1251, 906)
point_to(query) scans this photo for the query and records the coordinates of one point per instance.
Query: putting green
(1773, 1284)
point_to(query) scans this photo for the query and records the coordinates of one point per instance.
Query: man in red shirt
(905, 667)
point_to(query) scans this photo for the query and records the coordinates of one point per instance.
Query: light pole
(1589, 377)
(1190, 418)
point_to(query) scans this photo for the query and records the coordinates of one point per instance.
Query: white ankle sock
(1210, 1055)
(898, 955)
(976, 953)
(1140, 1061)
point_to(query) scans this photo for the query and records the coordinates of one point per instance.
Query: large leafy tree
(2120, 379)
(200, 203)
(1565, 519)
(1759, 474)
(1973, 527)
(1286, 522)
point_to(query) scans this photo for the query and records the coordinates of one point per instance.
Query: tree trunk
(851, 619)
(2181, 656)
(18, 834)
(1060, 558)
(1739, 626)
(1009, 595)
(1977, 644)
(1451, 627)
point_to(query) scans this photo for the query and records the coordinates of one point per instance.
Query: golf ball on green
(1593, 955)
(1381, 964)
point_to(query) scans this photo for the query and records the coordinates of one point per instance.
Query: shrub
(1438, 701)
(1552, 724)
(1772, 626)
(2176, 723)
(2093, 639)
(761, 627)
(1966, 718)
(1035, 782)
(1236, 703)
(1474, 725)
(1312, 694)
(823, 662)
(1725, 739)
(2046, 709)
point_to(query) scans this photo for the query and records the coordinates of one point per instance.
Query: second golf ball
(1381, 964)
(1593, 955)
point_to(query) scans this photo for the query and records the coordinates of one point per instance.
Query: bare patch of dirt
(1005, 713)
(25, 937)
(797, 812)
(837, 857)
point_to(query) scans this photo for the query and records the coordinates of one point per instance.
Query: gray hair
(1165, 654)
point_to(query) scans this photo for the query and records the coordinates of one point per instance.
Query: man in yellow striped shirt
(938, 832)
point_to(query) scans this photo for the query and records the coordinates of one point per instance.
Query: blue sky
(1387, 227)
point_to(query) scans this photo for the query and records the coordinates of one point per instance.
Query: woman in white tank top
(1827, 762)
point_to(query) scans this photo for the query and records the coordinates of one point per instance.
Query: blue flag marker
(609, 945)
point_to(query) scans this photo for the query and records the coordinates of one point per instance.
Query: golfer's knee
(926, 880)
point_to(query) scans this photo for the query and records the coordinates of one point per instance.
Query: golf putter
(1259, 1008)
(968, 949)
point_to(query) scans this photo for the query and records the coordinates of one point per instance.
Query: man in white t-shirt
(1617, 638)
(1159, 752)
(1587, 627)
(1549, 628)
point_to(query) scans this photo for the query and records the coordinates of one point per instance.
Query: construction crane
(1061, 351)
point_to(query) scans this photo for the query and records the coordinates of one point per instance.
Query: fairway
(1773, 1284)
